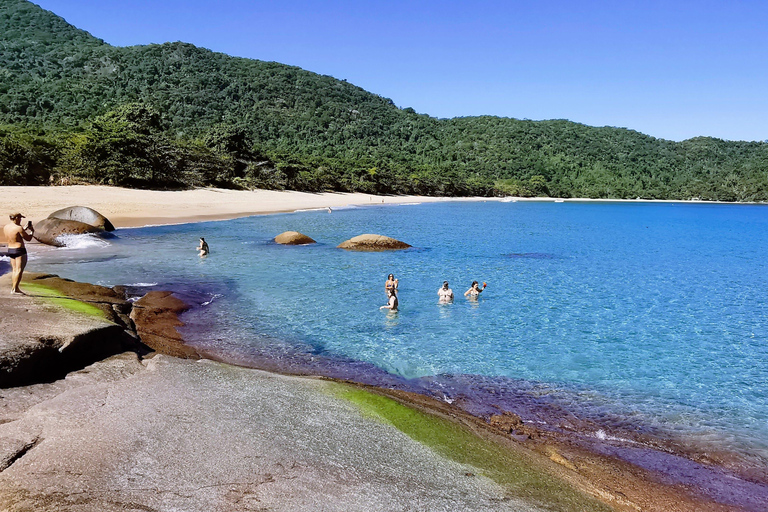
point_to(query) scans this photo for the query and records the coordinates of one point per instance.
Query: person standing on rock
(15, 234)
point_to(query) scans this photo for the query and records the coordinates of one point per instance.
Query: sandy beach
(132, 207)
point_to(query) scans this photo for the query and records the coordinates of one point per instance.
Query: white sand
(129, 207)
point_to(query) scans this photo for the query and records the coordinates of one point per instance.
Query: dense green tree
(174, 115)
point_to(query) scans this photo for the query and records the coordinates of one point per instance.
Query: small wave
(532, 255)
(141, 285)
(213, 298)
(86, 241)
(304, 210)
(602, 436)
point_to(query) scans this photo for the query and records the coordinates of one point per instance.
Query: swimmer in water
(445, 294)
(474, 290)
(390, 285)
(392, 302)
(15, 234)
(203, 247)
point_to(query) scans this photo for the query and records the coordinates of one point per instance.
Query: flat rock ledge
(41, 341)
(293, 238)
(61, 326)
(369, 242)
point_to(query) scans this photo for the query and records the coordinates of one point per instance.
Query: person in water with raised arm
(475, 290)
(15, 235)
(445, 294)
(391, 285)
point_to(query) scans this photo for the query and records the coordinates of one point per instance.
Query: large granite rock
(85, 215)
(52, 231)
(42, 338)
(170, 434)
(370, 242)
(293, 238)
(156, 316)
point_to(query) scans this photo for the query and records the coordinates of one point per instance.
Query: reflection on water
(391, 320)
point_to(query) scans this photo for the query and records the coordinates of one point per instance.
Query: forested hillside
(75, 109)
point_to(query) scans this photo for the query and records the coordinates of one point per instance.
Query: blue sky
(671, 69)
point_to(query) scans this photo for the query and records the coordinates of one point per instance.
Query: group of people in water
(444, 294)
(16, 235)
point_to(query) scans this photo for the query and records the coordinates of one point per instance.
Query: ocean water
(645, 316)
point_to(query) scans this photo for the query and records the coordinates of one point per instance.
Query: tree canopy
(75, 109)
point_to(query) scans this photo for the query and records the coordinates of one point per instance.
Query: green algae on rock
(519, 472)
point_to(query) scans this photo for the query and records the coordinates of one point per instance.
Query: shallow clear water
(655, 312)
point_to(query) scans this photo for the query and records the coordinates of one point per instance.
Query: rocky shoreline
(107, 409)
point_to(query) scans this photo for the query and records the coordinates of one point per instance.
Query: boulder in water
(293, 238)
(370, 242)
(50, 231)
(156, 317)
(85, 215)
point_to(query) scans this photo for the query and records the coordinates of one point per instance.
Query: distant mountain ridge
(178, 115)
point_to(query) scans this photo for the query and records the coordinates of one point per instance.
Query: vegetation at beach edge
(517, 473)
(74, 109)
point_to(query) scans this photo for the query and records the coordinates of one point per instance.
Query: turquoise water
(655, 313)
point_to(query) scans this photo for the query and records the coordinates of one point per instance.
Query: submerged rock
(293, 238)
(370, 242)
(156, 316)
(85, 215)
(49, 231)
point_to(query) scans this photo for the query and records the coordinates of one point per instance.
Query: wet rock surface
(156, 317)
(49, 231)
